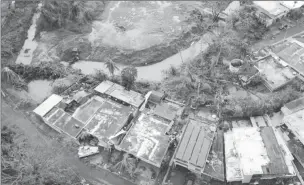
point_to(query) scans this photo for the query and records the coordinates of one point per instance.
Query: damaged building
(103, 114)
(256, 153)
(148, 138)
(292, 129)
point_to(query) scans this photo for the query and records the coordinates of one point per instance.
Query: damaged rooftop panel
(147, 139)
(194, 146)
(108, 120)
(119, 92)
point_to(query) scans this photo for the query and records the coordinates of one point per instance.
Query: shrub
(128, 77)
(100, 75)
(296, 14)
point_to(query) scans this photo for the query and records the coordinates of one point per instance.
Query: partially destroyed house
(271, 11)
(254, 153)
(105, 115)
(148, 138)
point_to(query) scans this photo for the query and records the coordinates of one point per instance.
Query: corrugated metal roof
(195, 145)
(48, 104)
(117, 91)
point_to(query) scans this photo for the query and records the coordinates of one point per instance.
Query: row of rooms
(146, 127)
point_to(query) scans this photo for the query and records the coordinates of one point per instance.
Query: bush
(247, 107)
(128, 77)
(43, 71)
(73, 14)
(144, 87)
(60, 88)
(100, 76)
(295, 14)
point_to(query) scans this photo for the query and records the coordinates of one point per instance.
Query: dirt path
(36, 138)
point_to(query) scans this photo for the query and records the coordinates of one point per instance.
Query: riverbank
(154, 72)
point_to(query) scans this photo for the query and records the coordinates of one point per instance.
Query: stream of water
(152, 72)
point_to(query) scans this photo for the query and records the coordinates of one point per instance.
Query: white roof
(245, 153)
(293, 4)
(48, 104)
(272, 7)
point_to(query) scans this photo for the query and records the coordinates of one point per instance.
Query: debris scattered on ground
(85, 151)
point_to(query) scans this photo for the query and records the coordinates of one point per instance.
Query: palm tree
(9, 76)
(110, 65)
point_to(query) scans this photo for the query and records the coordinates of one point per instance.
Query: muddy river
(152, 72)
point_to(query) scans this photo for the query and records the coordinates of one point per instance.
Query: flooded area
(26, 54)
(38, 90)
(138, 25)
(152, 72)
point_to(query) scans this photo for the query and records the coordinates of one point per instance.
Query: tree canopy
(128, 77)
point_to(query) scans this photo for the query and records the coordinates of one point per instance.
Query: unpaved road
(37, 138)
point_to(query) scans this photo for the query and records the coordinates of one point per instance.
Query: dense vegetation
(14, 25)
(206, 79)
(43, 71)
(71, 15)
(26, 165)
